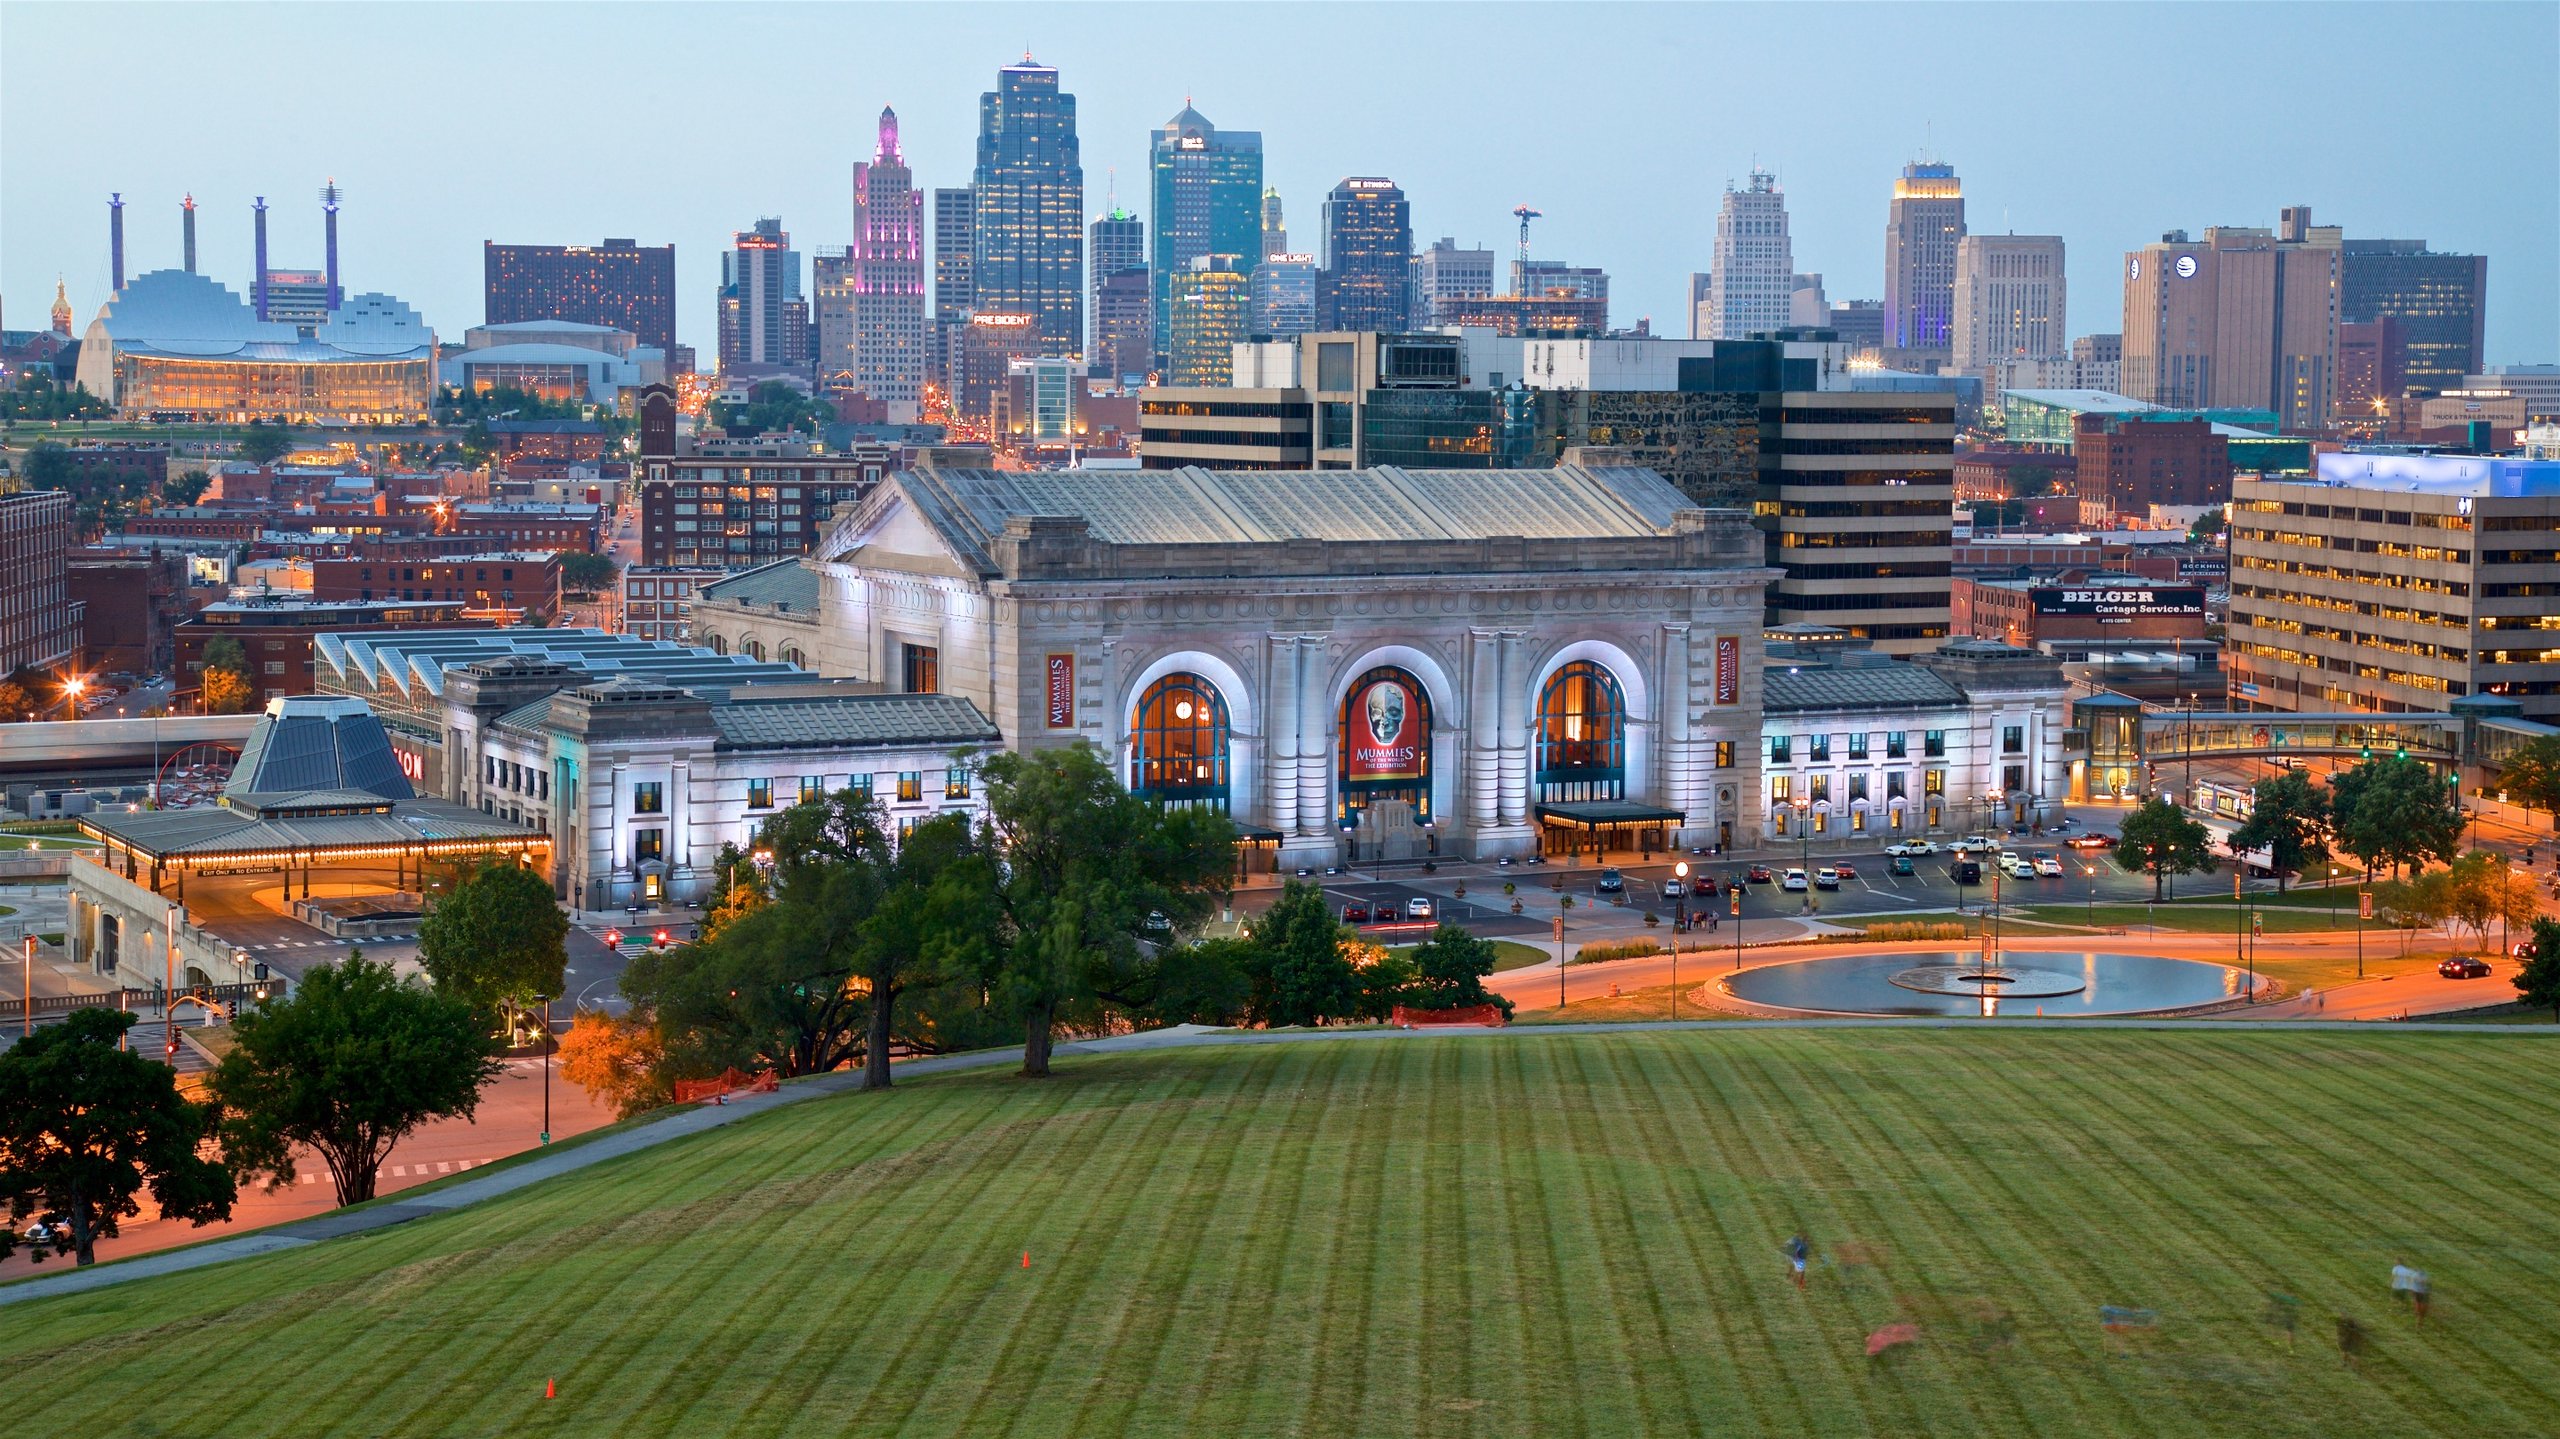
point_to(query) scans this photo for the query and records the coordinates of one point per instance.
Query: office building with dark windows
(620, 283)
(2435, 306)
(1368, 257)
(1027, 236)
(1116, 245)
(1857, 492)
(40, 624)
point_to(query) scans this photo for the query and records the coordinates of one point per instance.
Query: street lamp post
(1679, 927)
(1991, 800)
(546, 1066)
(2091, 871)
(1804, 847)
(72, 688)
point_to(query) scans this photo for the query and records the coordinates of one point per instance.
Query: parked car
(1795, 879)
(1973, 844)
(1757, 874)
(2049, 866)
(1670, 890)
(1964, 871)
(1912, 847)
(2090, 841)
(1704, 886)
(1900, 864)
(2464, 966)
(1847, 870)
(1156, 923)
(1418, 907)
(2521, 949)
(1826, 878)
(1355, 914)
(1611, 882)
(2016, 867)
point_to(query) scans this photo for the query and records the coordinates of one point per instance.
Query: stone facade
(1280, 599)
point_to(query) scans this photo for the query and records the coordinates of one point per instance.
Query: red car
(1355, 914)
(1704, 886)
(1845, 870)
(1758, 874)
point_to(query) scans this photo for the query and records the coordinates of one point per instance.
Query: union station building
(1352, 664)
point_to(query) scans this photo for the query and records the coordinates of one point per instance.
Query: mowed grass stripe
(1253, 1240)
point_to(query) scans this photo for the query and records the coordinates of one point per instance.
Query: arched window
(1178, 743)
(755, 649)
(1582, 735)
(1383, 749)
(795, 658)
(719, 644)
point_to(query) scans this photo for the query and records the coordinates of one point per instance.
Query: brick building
(570, 528)
(657, 600)
(2069, 615)
(39, 621)
(276, 633)
(728, 512)
(2005, 472)
(2129, 463)
(578, 441)
(502, 585)
(132, 602)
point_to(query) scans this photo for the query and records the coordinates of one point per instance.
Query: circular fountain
(2049, 982)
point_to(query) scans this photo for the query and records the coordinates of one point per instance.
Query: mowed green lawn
(1504, 1234)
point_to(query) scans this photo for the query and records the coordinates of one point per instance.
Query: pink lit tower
(887, 279)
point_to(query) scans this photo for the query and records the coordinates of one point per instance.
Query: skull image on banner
(1391, 737)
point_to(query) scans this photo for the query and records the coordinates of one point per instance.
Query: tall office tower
(1368, 257)
(1921, 229)
(1209, 300)
(2008, 300)
(1550, 277)
(1862, 528)
(1124, 330)
(1754, 279)
(1027, 253)
(1205, 185)
(2244, 319)
(831, 283)
(1117, 242)
(1807, 307)
(1701, 319)
(760, 302)
(954, 239)
(1445, 275)
(2439, 302)
(887, 276)
(619, 283)
(1283, 296)
(1275, 230)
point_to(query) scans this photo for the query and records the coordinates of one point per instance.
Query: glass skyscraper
(2437, 301)
(1118, 241)
(1368, 257)
(1028, 247)
(1206, 187)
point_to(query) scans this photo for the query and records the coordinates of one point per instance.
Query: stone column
(1280, 724)
(1315, 739)
(1512, 705)
(1483, 774)
(1674, 751)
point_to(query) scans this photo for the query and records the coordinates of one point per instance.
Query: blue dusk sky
(2107, 124)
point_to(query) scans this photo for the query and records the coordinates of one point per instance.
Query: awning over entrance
(1608, 813)
(1256, 834)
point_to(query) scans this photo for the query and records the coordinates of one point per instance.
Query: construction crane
(1526, 214)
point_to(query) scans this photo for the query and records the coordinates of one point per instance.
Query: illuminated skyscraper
(1209, 303)
(2009, 301)
(1368, 257)
(1445, 275)
(1027, 252)
(1206, 188)
(2435, 301)
(1117, 242)
(763, 319)
(2247, 318)
(1275, 230)
(1920, 234)
(1753, 283)
(619, 283)
(886, 275)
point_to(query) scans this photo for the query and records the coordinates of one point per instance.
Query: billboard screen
(2090, 601)
(1387, 733)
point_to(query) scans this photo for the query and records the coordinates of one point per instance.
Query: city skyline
(1598, 166)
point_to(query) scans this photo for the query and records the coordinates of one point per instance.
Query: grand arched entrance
(1178, 743)
(1384, 747)
(1582, 735)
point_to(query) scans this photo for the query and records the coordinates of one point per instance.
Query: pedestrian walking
(1797, 1252)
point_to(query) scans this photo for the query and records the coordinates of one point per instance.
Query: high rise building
(1752, 286)
(1205, 185)
(1861, 486)
(1027, 251)
(1124, 331)
(1701, 291)
(2009, 300)
(1807, 307)
(2244, 319)
(1209, 304)
(2438, 301)
(1554, 277)
(954, 237)
(1921, 229)
(831, 282)
(1275, 230)
(1859, 324)
(763, 318)
(619, 283)
(1445, 275)
(1368, 257)
(885, 275)
(1283, 302)
(1118, 241)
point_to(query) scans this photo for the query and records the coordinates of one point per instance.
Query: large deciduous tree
(87, 1127)
(1298, 970)
(621, 1060)
(2289, 819)
(1082, 866)
(348, 1065)
(2531, 775)
(496, 938)
(2395, 812)
(2538, 980)
(1450, 968)
(2158, 840)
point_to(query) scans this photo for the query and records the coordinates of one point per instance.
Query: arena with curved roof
(181, 345)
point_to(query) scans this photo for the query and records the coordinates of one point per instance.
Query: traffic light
(661, 938)
(613, 939)
(2365, 753)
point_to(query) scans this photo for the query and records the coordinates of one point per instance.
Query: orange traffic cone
(550, 1388)
(1026, 1259)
